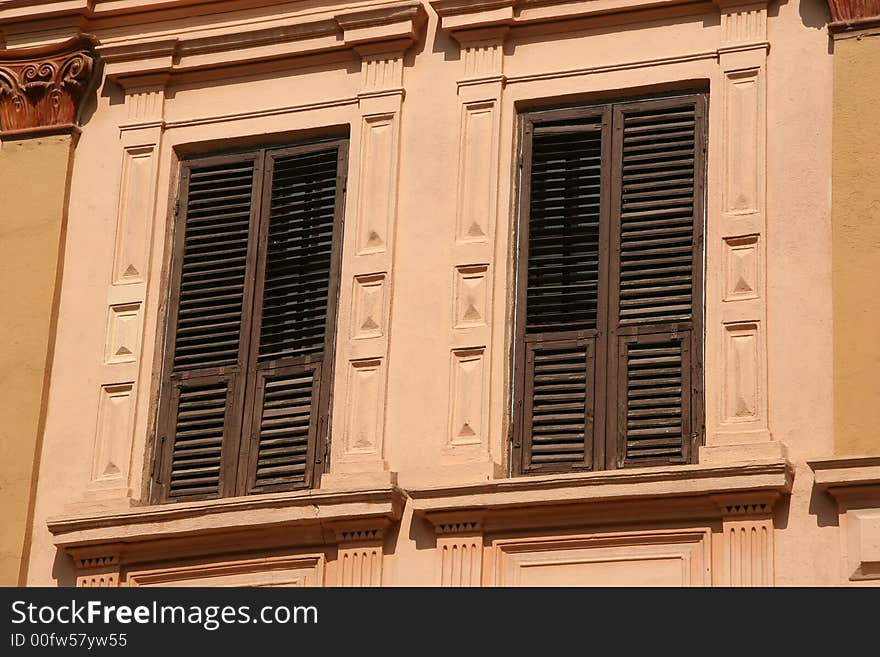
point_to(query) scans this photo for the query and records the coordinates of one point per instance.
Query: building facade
(462, 292)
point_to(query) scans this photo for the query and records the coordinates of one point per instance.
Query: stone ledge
(460, 15)
(849, 478)
(679, 491)
(854, 483)
(278, 512)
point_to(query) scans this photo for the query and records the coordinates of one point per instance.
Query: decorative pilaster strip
(140, 141)
(460, 552)
(736, 234)
(42, 90)
(747, 526)
(480, 88)
(360, 556)
(97, 569)
(358, 449)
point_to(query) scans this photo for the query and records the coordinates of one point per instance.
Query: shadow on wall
(62, 569)
(823, 506)
(814, 13)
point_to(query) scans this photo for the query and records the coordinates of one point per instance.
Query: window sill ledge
(318, 513)
(848, 479)
(669, 492)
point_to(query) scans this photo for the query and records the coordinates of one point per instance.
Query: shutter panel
(297, 315)
(558, 410)
(560, 244)
(288, 423)
(654, 411)
(209, 314)
(657, 215)
(658, 218)
(563, 237)
(300, 244)
(199, 431)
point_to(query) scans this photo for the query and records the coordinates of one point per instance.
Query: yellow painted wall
(34, 177)
(856, 245)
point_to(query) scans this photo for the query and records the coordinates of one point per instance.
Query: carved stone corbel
(459, 547)
(42, 89)
(97, 567)
(361, 552)
(747, 525)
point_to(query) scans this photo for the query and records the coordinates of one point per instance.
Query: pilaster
(358, 450)
(140, 137)
(360, 556)
(97, 568)
(460, 550)
(747, 527)
(738, 422)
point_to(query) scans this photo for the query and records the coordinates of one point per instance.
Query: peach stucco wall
(456, 96)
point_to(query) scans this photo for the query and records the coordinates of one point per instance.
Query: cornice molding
(278, 513)
(670, 492)
(850, 480)
(457, 17)
(42, 89)
(151, 48)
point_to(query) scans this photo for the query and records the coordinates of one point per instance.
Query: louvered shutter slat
(655, 399)
(563, 230)
(208, 262)
(199, 431)
(298, 252)
(657, 138)
(287, 427)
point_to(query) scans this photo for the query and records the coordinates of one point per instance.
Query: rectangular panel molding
(363, 429)
(741, 268)
(741, 142)
(123, 333)
(742, 393)
(476, 171)
(468, 405)
(377, 183)
(661, 558)
(471, 291)
(112, 450)
(298, 571)
(368, 316)
(135, 214)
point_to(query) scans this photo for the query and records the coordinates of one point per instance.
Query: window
(608, 336)
(245, 394)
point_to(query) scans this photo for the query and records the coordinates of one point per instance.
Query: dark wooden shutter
(560, 304)
(291, 360)
(657, 216)
(208, 315)
(607, 357)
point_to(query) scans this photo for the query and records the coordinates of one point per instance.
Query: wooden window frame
(241, 436)
(609, 341)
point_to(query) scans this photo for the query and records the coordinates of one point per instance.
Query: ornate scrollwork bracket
(42, 89)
